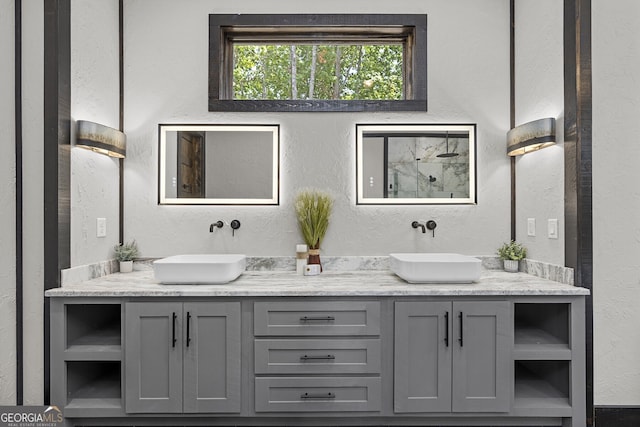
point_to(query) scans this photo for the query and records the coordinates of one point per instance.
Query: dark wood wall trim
(19, 193)
(121, 118)
(57, 138)
(578, 163)
(617, 416)
(57, 153)
(512, 108)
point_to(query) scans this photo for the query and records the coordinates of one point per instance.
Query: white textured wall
(539, 90)
(7, 207)
(616, 201)
(478, 93)
(94, 97)
(166, 46)
(33, 207)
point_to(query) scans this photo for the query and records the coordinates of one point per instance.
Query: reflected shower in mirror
(416, 164)
(219, 164)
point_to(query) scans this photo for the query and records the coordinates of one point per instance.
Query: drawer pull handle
(173, 330)
(446, 329)
(327, 357)
(461, 338)
(318, 396)
(317, 319)
(188, 328)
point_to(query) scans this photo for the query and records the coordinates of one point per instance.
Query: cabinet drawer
(302, 394)
(317, 318)
(300, 356)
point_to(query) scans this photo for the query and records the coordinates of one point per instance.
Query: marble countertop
(330, 283)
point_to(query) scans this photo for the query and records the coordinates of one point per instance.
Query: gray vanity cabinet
(393, 360)
(452, 356)
(182, 357)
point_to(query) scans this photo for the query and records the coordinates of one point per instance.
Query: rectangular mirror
(416, 164)
(218, 164)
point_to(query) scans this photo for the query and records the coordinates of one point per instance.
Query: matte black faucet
(416, 224)
(218, 224)
(235, 224)
(431, 225)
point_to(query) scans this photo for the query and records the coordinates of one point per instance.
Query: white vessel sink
(199, 269)
(435, 267)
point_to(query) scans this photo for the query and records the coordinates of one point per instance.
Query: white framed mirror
(415, 164)
(210, 164)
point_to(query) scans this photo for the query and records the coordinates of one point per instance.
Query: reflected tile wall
(412, 161)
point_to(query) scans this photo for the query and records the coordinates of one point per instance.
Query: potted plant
(125, 253)
(313, 209)
(511, 253)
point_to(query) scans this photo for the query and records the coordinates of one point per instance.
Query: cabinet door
(153, 356)
(212, 357)
(481, 366)
(422, 365)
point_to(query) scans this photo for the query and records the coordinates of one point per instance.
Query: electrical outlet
(552, 228)
(531, 227)
(101, 227)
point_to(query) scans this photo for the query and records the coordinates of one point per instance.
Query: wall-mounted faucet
(217, 224)
(235, 224)
(430, 225)
(416, 224)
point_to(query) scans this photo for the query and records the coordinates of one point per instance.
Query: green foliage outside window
(326, 72)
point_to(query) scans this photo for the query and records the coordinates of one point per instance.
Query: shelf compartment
(544, 385)
(94, 328)
(93, 385)
(542, 327)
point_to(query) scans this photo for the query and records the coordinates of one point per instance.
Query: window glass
(351, 62)
(325, 71)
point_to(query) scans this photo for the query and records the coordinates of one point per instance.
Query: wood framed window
(353, 62)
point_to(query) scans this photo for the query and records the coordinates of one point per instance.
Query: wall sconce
(531, 136)
(101, 139)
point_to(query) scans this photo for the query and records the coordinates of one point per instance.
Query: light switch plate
(552, 228)
(101, 227)
(531, 227)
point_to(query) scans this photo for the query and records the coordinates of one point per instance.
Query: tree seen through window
(297, 71)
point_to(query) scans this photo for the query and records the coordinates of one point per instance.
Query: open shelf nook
(542, 384)
(93, 385)
(542, 330)
(93, 328)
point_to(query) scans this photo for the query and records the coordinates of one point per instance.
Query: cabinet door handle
(446, 329)
(188, 328)
(329, 395)
(173, 330)
(327, 357)
(317, 319)
(461, 339)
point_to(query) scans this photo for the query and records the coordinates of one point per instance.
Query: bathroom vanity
(343, 349)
